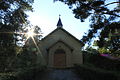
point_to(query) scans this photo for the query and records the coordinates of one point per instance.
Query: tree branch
(111, 14)
(111, 3)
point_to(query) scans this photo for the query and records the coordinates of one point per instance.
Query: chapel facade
(60, 49)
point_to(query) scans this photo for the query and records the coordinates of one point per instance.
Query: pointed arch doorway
(59, 58)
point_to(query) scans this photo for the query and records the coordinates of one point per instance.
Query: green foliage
(12, 11)
(30, 73)
(7, 47)
(25, 59)
(98, 67)
(90, 50)
(6, 35)
(94, 8)
(38, 32)
(103, 50)
(104, 20)
(12, 17)
(102, 62)
(94, 73)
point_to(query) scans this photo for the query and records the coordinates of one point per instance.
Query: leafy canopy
(13, 11)
(12, 17)
(104, 16)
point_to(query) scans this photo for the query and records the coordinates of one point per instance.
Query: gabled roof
(61, 42)
(65, 32)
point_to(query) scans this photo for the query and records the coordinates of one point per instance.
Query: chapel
(60, 49)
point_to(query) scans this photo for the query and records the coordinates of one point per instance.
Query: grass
(23, 74)
(88, 72)
(96, 67)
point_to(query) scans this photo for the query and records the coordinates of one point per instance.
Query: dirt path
(59, 74)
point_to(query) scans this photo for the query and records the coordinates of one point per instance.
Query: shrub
(104, 62)
(88, 73)
(25, 74)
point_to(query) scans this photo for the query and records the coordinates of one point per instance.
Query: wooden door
(60, 59)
